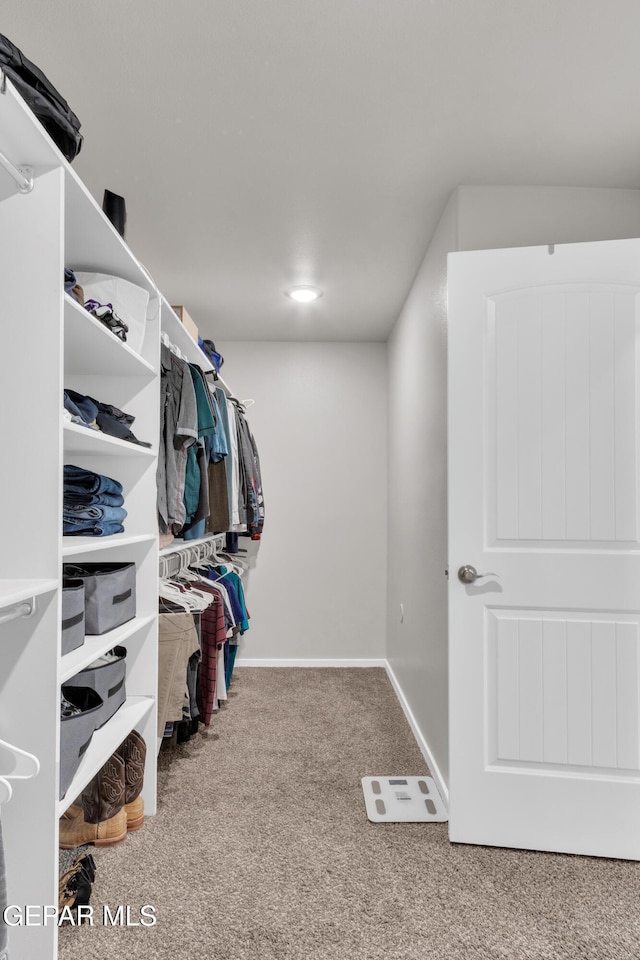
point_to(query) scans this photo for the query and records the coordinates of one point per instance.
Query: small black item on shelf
(105, 313)
(116, 210)
(51, 109)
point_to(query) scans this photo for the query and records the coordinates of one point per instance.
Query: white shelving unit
(51, 343)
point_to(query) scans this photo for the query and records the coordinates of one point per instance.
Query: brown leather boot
(103, 821)
(133, 752)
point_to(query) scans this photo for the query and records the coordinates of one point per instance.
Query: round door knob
(468, 574)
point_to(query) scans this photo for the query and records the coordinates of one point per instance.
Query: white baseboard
(420, 739)
(250, 662)
(415, 729)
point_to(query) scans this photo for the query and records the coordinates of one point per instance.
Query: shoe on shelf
(101, 819)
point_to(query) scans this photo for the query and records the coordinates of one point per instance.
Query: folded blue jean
(80, 406)
(77, 513)
(90, 482)
(87, 528)
(75, 496)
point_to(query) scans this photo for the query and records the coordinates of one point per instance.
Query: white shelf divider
(78, 439)
(104, 743)
(94, 647)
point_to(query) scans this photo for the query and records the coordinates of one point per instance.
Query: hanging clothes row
(202, 615)
(209, 477)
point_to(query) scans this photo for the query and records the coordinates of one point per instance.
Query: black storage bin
(108, 680)
(109, 594)
(72, 614)
(76, 731)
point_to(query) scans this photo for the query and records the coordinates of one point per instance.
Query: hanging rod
(24, 183)
(23, 175)
(25, 609)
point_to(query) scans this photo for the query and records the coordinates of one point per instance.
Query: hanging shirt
(235, 468)
(179, 430)
(223, 406)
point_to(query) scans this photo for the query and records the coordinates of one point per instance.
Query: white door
(544, 436)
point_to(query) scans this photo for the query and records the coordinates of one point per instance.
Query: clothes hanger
(193, 600)
(25, 765)
(6, 791)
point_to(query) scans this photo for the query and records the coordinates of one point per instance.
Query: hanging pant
(177, 641)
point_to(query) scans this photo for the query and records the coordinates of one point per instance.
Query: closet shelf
(94, 647)
(89, 348)
(92, 242)
(17, 591)
(104, 743)
(79, 439)
(74, 546)
(181, 337)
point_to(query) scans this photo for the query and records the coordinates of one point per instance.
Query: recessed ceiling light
(303, 293)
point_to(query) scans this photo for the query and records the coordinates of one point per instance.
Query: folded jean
(75, 496)
(89, 529)
(88, 481)
(80, 406)
(76, 513)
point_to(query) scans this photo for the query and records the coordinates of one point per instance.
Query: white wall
(494, 217)
(417, 648)
(318, 590)
(475, 218)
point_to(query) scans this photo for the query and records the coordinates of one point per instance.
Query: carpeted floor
(261, 850)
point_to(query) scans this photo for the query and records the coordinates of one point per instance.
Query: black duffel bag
(52, 110)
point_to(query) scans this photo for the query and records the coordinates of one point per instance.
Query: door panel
(563, 404)
(560, 687)
(543, 492)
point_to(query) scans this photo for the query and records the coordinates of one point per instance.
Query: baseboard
(420, 739)
(269, 662)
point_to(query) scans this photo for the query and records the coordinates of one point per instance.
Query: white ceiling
(261, 143)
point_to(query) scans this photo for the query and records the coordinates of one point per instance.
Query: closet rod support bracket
(27, 173)
(24, 610)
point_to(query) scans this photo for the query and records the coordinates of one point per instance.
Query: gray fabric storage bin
(109, 594)
(108, 680)
(72, 614)
(76, 731)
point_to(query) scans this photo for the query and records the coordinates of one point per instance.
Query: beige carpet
(261, 849)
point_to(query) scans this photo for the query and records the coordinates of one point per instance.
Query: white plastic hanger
(25, 765)
(6, 791)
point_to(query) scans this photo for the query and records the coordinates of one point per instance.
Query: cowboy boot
(133, 752)
(103, 821)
